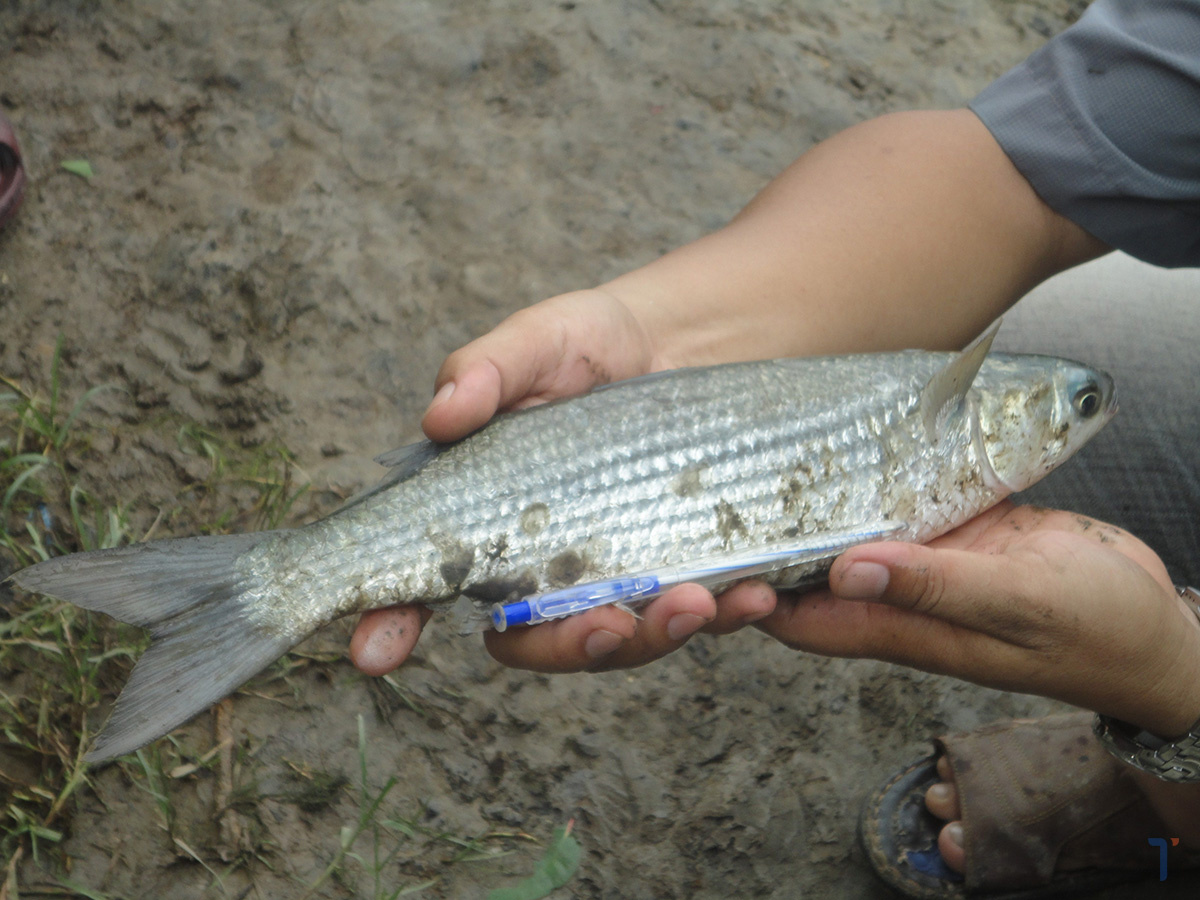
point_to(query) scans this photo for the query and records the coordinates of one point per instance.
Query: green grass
(373, 840)
(265, 472)
(58, 664)
(52, 656)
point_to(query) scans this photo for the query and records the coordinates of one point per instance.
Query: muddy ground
(298, 209)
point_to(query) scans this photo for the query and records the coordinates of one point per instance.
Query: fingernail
(601, 643)
(684, 625)
(377, 654)
(863, 581)
(442, 395)
(938, 793)
(754, 616)
(954, 832)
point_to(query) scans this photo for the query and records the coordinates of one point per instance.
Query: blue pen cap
(505, 614)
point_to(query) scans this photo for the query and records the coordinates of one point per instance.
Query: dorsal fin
(942, 397)
(403, 463)
(409, 459)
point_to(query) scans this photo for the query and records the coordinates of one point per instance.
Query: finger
(557, 348)
(607, 637)
(481, 378)
(573, 644)
(385, 637)
(830, 626)
(980, 591)
(819, 622)
(740, 606)
(665, 626)
(524, 355)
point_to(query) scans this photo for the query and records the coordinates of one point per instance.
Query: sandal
(1046, 812)
(12, 173)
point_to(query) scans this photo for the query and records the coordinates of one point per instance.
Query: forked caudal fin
(189, 594)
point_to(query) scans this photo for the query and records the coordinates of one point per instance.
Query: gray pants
(1142, 325)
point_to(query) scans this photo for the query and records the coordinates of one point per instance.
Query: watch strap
(1176, 760)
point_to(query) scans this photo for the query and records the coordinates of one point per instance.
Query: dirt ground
(298, 209)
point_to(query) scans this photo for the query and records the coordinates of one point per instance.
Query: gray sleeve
(1104, 122)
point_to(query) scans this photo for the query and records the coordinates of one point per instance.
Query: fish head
(1034, 412)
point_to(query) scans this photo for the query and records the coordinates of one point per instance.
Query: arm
(912, 230)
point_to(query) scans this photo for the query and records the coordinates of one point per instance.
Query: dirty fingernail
(684, 625)
(954, 831)
(863, 581)
(601, 643)
(442, 395)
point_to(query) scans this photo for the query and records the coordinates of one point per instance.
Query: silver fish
(655, 471)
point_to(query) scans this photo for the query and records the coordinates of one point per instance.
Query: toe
(941, 799)
(943, 769)
(950, 845)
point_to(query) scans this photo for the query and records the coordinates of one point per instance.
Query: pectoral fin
(942, 398)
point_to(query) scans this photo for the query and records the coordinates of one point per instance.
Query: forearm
(911, 230)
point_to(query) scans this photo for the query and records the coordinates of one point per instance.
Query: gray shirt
(1104, 122)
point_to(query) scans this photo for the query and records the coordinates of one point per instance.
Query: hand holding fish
(594, 340)
(1021, 599)
(560, 347)
(939, 185)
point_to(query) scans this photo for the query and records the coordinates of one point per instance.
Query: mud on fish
(654, 471)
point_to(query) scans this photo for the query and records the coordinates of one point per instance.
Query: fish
(654, 471)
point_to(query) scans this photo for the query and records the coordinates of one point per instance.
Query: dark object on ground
(1047, 813)
(12, 173)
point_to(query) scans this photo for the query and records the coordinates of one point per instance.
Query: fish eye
(1087, 401)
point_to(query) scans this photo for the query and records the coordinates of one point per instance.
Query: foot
(942, 800)
(1178, 805)
(1033, 807)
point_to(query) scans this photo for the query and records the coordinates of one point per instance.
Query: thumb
(961, 587)
(557, 348)
(488, 374)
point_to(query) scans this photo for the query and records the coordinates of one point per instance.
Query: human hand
(1022, 599)
(558, 348)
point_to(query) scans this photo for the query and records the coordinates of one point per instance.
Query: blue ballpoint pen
(639, 587)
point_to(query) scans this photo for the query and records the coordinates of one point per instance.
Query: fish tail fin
(190, 595)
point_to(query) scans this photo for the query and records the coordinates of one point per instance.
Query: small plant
(57, 662)
(389, 835)
(369, 802)
(267, 470)
(52, 653)
(35, 478)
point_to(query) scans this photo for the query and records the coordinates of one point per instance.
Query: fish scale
(653, 472)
